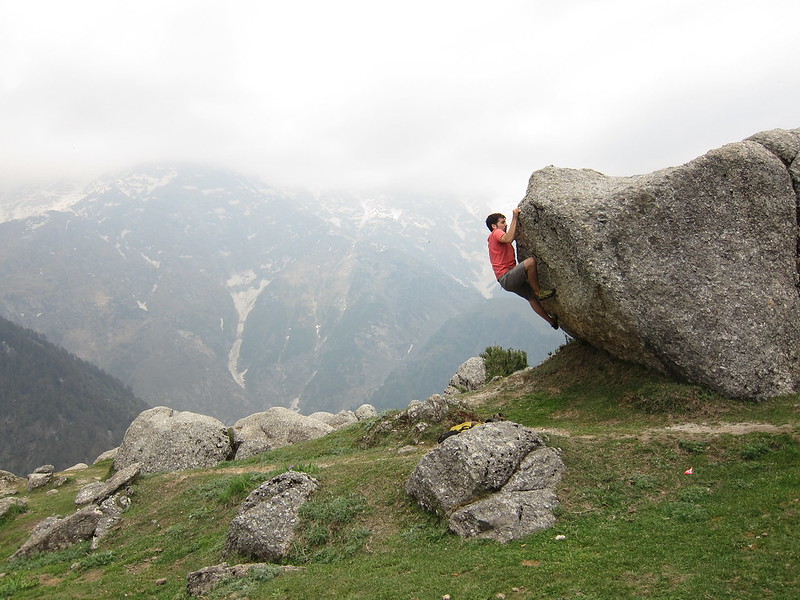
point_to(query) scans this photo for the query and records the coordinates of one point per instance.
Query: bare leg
(537, 306)
(532, 274)
(533, 280)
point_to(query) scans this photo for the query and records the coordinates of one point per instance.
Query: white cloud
(467, 97)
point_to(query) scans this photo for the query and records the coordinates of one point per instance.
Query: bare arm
(511, 232)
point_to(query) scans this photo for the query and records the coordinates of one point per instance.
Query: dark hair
(492, 219)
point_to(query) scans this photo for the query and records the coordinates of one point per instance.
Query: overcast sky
(445, 97)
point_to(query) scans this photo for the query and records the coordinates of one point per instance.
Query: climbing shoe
(545, 294)
(554, 324)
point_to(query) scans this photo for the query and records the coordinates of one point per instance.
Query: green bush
(503, 362)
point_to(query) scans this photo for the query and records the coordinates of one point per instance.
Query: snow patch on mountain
(18, 205)
(142, 185)
(244, 299)
(155, 263)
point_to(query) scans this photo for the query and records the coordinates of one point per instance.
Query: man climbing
(522, 278)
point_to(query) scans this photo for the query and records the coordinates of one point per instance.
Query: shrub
(502, 361)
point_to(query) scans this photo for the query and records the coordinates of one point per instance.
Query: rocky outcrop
(91, 522)
(161, 439)
(40, 477)
(274, 428)
(54, 534)
(470, 376)
(433, 410)
(341, 419)
(7, 504)
(366, 411)
(98, 491)
(112, 508)
(264, 526)
(493, 481)
(9, 483)
(692, 270)
(107, 455)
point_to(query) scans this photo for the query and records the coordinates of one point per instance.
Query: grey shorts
(516, 280)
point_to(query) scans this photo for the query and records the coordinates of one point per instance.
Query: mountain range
(55, 408)
(209, 291)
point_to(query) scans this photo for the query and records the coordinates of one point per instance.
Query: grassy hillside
(631, 525)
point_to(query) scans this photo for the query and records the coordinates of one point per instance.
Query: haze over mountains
(207, 291)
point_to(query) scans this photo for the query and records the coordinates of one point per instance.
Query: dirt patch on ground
(50, 580)
(690, 429)
(723, 428)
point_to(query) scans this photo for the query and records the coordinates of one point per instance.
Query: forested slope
(54, 407)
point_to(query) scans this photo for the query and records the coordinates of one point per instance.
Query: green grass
(631, 523)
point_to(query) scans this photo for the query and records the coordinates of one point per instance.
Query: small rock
(366, 411)
(77, 467)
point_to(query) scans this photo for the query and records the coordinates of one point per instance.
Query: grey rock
(98, 491)
(493, 481)
(112, 508)
(540, 469)
(54, 534)
(90, 492)
(265, 522)
(274, 428)
(108, 454)
(470, 376)
(45, 469)
(6, 504)
(77, 467)
(366, 411)
(691, 270)
(341, 419)
(161, 439)
(9, 483)
(468, 465)
(37, 480)
(506, 516)
(433, 410)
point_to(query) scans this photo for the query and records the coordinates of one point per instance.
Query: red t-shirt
(501, 255)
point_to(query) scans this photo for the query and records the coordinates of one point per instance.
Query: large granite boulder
(274, 428)
(161, 439)
(338, 421)
(264, 525)
(692, 270)
(470, 376)
(54, 534)
(494, 481)
(40, 477)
